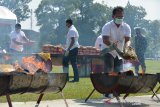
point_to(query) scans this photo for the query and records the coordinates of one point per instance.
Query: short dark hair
(18, 26)
(69, 21)
(117, 9)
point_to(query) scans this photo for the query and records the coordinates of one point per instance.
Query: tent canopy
(7, 17)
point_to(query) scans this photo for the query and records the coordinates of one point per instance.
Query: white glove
(66, 53)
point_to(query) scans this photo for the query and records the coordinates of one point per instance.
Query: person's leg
(108, 67)
(65, 63)
(73, 58)
(142, 63)
(138, 64)
(108, 63)
(136, 67)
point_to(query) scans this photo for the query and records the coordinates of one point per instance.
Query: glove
(66, 53)
(109, 49)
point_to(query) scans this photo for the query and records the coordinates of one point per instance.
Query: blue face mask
(118, 20)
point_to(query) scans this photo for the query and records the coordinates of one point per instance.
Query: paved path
(143, 101)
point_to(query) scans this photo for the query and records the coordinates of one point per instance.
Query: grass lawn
(78, 90)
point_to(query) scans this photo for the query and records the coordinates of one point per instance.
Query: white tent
(7, 23)
(7, 17)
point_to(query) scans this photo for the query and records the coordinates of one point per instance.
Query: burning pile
(58, 49)
(88, 50)
(29, 64)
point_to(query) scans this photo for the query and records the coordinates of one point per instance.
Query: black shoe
(74, 81)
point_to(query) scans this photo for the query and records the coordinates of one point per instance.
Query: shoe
(109, 96)
(74, 81)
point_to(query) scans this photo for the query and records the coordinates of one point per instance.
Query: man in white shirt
(71, 52)
(99, 42)
(116, 33)
(18, 39)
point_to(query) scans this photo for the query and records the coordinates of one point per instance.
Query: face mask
(118, 20)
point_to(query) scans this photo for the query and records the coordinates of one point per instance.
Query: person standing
(18, 39)
(71, 52)
(117, 33)
(140, 48)
(98, 42)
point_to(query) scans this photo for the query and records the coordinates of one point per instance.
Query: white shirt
(99, 42)
(72, 33)
(19, 38)
(116, 34)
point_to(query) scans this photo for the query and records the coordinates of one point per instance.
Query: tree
(88, 17)
(19, 7)
(134, 16)
(154, 38)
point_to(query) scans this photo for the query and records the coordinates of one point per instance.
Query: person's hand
(66, 53)
(109, 49)
(30, 42)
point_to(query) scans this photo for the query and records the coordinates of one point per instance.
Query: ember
(28, 64)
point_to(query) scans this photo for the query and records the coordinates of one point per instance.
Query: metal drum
(29, 73)
(16, 82)
(104, 83)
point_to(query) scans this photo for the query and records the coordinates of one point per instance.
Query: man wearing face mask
(71, 52)
(117, 33)
(18, 39)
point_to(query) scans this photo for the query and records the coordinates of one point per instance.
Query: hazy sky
(151, 7)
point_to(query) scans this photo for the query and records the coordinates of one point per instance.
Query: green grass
(78, 90)
(153, 66)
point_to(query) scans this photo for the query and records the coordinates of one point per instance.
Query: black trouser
(112, 64)
(141, 59)
(72, 57)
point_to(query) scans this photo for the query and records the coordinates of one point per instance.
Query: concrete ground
(138, 101)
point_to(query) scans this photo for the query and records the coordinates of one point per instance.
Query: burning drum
(122, 84)
(29, 73)
(104, 83)
(16, 82)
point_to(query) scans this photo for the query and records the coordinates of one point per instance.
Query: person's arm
(106, 34)
(25, 39)
(106, 40)
(16, 42)
(71, 44)
(127, 36)
(71, 34)
(127, 42)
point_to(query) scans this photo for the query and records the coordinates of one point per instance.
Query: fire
(32, 64)
(18, 67)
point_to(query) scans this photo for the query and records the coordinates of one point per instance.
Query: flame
(32, 64)
(18, 67)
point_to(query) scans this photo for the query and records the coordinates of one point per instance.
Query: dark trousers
(141, 59)
(72, 57)
(112, 64)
